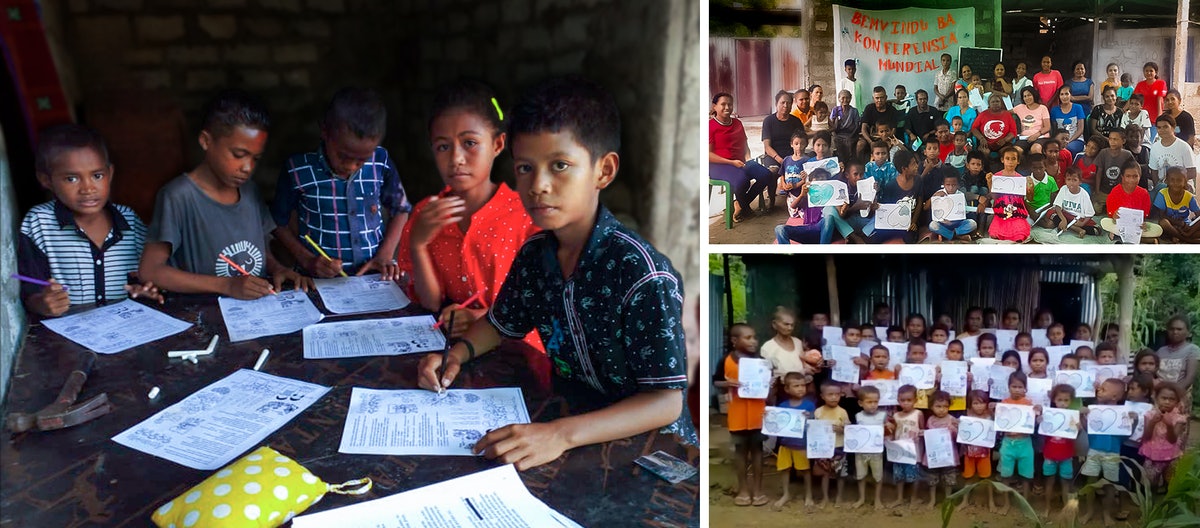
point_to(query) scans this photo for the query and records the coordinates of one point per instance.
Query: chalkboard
(981, 60)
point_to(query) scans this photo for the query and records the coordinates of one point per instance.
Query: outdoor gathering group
(972, 155)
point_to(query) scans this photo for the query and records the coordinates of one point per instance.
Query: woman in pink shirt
(1047, 81)
(1034, 119)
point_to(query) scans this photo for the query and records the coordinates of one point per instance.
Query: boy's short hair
(877, 144)
(230, 109)
(1144, 381)
(820, 106)
(1131, 164)
(1070, 356)
(1164, 118)
(359, 110)
(957, 118)
(1105, 346)
(1062, 388)
(53, 141)
(830, 385)
(1053, 140)
(1074, 171)
(848, 326)
(939, 397)
(823, 134)
(868, 390)
(976, 155)
(880, 347)
(960, 134)
(916, 341)
(797, 376)
(470, 95)
(906, 389)
(903, 158)
(941, 122)
(1036, 157)
(570, 104)
(1117, 383)
(799, 133)
(849, 62)
(1137, 97)
(1012, 149)
(894, 328)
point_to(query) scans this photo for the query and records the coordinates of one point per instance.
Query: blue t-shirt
(1106, 443)
(792, 168)
(967, 116)
(1069, 121)
(1081, 88)
(808, 405)
(1176, 211)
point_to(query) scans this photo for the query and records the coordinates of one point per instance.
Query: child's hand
(438, 212)
(146, 290)
(838, 428)
(526, 445)
(737, 163)
(387, 267)
(319, 266)
(1037, 410)
(299, 282)
(247, 287)
(463, 318)
(52, 301)
(860, 361)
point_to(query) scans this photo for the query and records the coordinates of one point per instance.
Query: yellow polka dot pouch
(263, 489)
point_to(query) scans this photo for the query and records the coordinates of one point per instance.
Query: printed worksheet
(216, 424)
(365, 294)
(372, 337)
(495, 497)
(116, 327)
(283, 313)
(1129, 225)
(844, 369)
(754, 378)
(421, 422)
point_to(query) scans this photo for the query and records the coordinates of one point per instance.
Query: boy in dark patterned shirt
(605, 303)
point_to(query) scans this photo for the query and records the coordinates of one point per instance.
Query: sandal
(1122, 515)
(741, 501)
(761, 500)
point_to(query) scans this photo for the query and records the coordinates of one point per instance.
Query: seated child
(948, 230)
(1176, 209)
(1073, 208)
(945, 140)
(974, 185)
(1044, 189)
(210, 228)
(851, 219)
(1108, 168)
(820, 119)
(958, 157)
(1135, 114)
(1125, 91)
(1053, 150)
(805, 224)
(932, 157)
(462, 241)
(1086, 161)
(1135, 144)
(902, 190)
(880, 167)
(1010, 221)
(574, 123)
(84, 245)
(1129, 195)
(887, 134)
(792, 167)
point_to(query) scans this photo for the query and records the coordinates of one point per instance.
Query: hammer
(62, 413)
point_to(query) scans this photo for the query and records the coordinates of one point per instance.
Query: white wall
(12, 317)
(1131, 49)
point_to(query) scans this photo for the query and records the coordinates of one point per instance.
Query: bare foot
(879, 507)
(778, 505)
(993, 509)
(932, 503)
(808, 502)
(1108, 521)
(822, 505)
(857, 505)
(1083, 519)
(1003, 511)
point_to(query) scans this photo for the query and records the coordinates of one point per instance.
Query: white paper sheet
(1139, 409)
(372, 337)
(827, 193)
(1082, 380)
(829, 164)
(887, 391)
(998, 388)
(897, 353)
(954, 377)
(935, 353)
(116, 327)
(1063, 423)
(286, 312)
(866, 193)
(949, 208)
(976, 432)
(918, 375)
(1085, 364)
(1024, 355)
(421, 422)
(1038, 390)
(981, 373)
(1129, 225)
(970, 347)
(939, 448)
(365, 294)
(1005, 340)
(492, 498)
(216, 424)
(895, 217)
(1008, 185)
(863, 439)
(902, 451)
(1103, 372)
(1040, 339)
(1056, 354)
(881, 333)
(781, 421)
(754, 378)
(821, 439)
(1109, 420)
(1075, 344)
(844, 369)
(830, 336)
(1013, 418)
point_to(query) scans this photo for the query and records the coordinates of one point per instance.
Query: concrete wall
(12, 317)
(1130, 49)
(296, 53)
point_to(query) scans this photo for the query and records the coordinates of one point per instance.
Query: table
(79, 477)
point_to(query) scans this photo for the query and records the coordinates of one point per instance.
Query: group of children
(918, 157)
(803, 382)
(341, 208)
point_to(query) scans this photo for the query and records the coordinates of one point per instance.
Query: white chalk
(193, 359)
(153, 393)
(262, 358)
(212, 345)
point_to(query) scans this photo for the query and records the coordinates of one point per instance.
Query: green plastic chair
(728, 190)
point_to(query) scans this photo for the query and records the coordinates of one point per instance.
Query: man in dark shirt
(880, 111)
(922, 118)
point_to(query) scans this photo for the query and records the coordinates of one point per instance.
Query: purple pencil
(32, 280)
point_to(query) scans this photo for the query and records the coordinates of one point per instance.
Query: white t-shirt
(784, 361)
(1078, 204)
(1142, 120)
(1179, 154)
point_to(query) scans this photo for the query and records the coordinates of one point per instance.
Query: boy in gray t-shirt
(210, 228)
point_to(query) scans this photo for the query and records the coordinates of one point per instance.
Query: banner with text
(899, 46)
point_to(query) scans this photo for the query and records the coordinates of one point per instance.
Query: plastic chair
(728, 190)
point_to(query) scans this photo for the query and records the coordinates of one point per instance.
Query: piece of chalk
(153, 393)
(212, 344)
(262, 358)
(193, 359)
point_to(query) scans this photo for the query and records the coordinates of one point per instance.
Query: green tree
(737, 269)
(1167, 284)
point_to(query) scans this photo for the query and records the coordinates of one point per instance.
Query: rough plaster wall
(1131, 49)
(12, 317)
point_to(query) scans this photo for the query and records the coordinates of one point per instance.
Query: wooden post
(728, 290)
(835, 309)
(1125, 283)
(1180, 62)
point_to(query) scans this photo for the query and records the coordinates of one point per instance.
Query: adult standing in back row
(1047, 82)
(1178, 361)
(1154, 90)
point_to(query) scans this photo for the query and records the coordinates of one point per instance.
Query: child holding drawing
(745, 419)
(791, 454)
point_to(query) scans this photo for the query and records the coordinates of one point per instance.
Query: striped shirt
(343, 216)
(52, 245)
(615, 324)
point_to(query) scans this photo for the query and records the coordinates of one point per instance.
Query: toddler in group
(869, 464)
(1073, 210)
(941, 419)
(1104, 454)
(1010, 221)
(1016, 450)
(1059, 453)
(977, 463)
(1162, 438)
(905, 424)
(791, 453)
(832, 468)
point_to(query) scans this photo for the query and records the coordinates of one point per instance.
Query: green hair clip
(499, 112)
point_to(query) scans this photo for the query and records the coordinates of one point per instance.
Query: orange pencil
(239, 268)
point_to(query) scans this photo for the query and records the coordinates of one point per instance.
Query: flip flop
(741, 501)
(1122, 515)
(761, 500)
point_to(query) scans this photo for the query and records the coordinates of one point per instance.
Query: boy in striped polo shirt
(85, 246)
(605, 302)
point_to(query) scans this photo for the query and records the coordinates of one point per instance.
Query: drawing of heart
(941, 207)
(1008, 418)
(853, 442)
(1103, 419)
(1054, 422)
(820, 194)
(971, 431)
(774, 420)
(1073, 379)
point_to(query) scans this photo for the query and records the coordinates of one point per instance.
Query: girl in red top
(727, 153)
(1153, 90)
(1047, 81)
(463, 240)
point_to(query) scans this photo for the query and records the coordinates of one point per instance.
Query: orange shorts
(980, 467)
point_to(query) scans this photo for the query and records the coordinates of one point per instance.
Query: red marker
(465, 304)
(239, 268)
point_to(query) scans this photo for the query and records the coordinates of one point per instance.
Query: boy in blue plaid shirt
(337, 195)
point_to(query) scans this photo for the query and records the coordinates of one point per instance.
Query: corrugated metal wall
(754, 69)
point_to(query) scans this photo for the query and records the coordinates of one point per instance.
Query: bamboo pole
(835, 309)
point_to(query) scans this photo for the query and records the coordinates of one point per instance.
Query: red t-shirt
(1087, 168)
(479, 259)
(1152, 92)
(1138, 199)
(1064, 161)
(1058, 449)
(1047, 85)
(993, 126)
(945, 150)
(727, 141)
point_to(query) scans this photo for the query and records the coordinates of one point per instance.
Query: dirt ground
(723, 513)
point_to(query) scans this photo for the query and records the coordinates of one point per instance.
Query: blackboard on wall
(981, 60)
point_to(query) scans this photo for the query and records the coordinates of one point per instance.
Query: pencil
(322, 253)
(238, 268)
(32, 280)
(445, 355)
